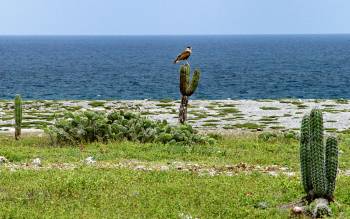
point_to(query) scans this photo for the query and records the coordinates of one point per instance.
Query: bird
(184, 55)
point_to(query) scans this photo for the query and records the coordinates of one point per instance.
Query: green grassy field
(106, 190)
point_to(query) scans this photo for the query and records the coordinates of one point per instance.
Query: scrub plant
(75, 128)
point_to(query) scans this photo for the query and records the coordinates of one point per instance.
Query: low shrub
(90, 126)
(271, 136)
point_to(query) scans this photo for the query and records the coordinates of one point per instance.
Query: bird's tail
(175, 61)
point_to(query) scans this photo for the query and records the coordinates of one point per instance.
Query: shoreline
(227, 116)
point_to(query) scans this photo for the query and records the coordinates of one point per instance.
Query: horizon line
(136, 35)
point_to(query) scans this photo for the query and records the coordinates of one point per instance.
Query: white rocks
(262, 205)
(186, 216)
(90, 160)
(284, 168)
(272, 173)
(290, 174)
(297, 210)
(3, 160)
(164, 168)
(36, 162)
(287, 112)
(212, 172)
(347, 173)
(322, 208)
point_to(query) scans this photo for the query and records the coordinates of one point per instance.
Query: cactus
(319, 161)
(305, 153)
(18, 116)
(317, 149)
(331, 164)
(187, 88)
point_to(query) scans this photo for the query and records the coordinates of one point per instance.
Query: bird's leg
(187, 62)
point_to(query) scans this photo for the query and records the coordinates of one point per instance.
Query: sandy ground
(206, 115)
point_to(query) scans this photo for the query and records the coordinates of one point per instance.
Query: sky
(173, 17)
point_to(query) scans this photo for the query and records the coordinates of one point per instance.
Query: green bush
(90, 126)
(273, 136)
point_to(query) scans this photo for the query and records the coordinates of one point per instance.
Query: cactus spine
(319, 162)
(18, 116)
(187, 88)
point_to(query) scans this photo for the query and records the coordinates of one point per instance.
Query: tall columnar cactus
(305, 153)
(18, 116)
(319, 161)
(331, 164)
(187, 88)
(318, 172)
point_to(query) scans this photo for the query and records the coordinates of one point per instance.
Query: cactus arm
(331, 164)
(194, 82)
(318, 173)
(305, 154)
(184, 79)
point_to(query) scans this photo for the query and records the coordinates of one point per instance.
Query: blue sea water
(140, 67)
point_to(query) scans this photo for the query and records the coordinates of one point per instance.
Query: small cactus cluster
(18, 116)
(88, 126)
(187, 88)
(319, 161)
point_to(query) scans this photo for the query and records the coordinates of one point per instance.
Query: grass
(209, 124)
(248, 125)
(91, 192)
(166, 101)
(342, 101)
(228, 110)
(269, 108)
(165, 104)
(330, 129)
(230, 149)
(97, 103)
(228, 105)
(302, 106)
(268, 119)
(277, 127)
(198, 114)
(212, 120)
(329, 105)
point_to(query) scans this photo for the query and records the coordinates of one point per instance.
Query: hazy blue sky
(174, 16)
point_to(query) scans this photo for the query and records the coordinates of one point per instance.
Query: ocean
(140, 67)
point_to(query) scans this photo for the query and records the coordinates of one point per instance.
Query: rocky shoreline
(206, 115)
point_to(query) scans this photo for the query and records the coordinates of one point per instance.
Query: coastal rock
(90, 160)
(164, 168)
(36, 162)
(262, 205)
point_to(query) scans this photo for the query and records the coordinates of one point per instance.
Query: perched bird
(184, 55)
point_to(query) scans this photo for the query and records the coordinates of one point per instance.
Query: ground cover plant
(242, 176)
(175, 172)
(91, 126)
